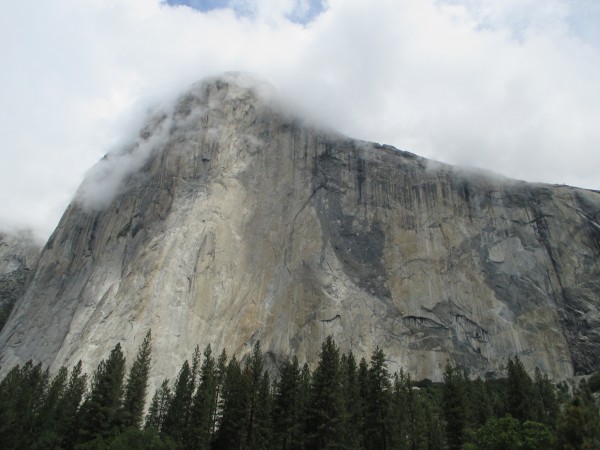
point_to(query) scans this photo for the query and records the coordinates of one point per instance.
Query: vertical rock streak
(247, 224)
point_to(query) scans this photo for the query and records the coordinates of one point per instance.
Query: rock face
(236, 222)
(19, 253)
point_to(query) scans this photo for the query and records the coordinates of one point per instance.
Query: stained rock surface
(233, 221)
(19, 253)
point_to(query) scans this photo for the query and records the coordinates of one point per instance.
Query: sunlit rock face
(19, 252)
(238, 222)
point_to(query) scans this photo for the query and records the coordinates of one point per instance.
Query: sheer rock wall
(245, 223)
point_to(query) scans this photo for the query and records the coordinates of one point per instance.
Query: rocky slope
(19, 252)
(232, 221)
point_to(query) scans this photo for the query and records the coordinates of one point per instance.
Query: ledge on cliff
(228, 221)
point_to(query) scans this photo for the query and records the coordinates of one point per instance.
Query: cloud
(508, 86)
(107, 178)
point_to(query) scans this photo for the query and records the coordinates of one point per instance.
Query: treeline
(218, 403)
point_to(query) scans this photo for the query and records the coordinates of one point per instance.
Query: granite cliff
(19, 252)
(231, 221)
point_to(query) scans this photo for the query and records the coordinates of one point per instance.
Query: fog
(510, 87)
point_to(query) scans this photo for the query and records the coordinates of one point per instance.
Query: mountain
(229, 220)
(19, 252)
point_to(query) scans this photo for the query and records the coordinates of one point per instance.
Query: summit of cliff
(228, 220)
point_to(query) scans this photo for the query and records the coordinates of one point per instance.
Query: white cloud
(509, 86)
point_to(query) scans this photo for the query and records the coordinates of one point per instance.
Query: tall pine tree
(176, 420)
(100, 412)
(137, 385)
(520, 399)
(203, 412)
(454, 406)
(326, 407)
(256, 426)
(159, 406)
(377, 425)
(232, 429)
(287, 424)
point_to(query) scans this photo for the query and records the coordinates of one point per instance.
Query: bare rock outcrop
(234, 221)
(19, 253)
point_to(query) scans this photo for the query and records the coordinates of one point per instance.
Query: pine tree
(520, 399)
(231, 433)
(454, 406)
(254, 373)
(219, 380)
(176, 419)
(45, 430)
(547, 404)
(326, 407)
(287, 425)
(363, 392)
(578, 427)
(101, 408)
(159, 406)
(68, 407)
(400, 410)
(353, 403)
(418, 422)
(430, 405)
(204, 404)
(137, 385)
(9, 387)
(478, 404)
(304, 400)
(195, 368)
(377, 427)
(21, 398)
(263, 427)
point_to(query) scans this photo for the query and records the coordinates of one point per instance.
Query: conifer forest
(217, 402)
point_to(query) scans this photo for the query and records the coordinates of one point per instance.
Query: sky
(511, 86)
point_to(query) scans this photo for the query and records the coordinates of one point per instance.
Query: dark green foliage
(176, 419)
(326, 410)
(508, 433)
(520, 398)
(594, 382)
(400, 416)
(478, 404)
(234, 404)
(137, 384)
(546, 403)
(68, 407)
(220, 405)
(454, 406)
(48, 417)
(100, 411)
(21, 400)
(220, 379)
(159, 406)
(288, 411)
(363, 392)
(429, 402)
(258, 402)
(377, 404)
(304, 404)
(354, 402)
(204, 405)
(416, 414)
(261, 436)
(195, 369)
(578, 427)
(131, 439)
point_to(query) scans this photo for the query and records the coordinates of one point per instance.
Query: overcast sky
(511, 86)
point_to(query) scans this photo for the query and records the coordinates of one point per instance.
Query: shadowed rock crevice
(240, 222)
(357, 240)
